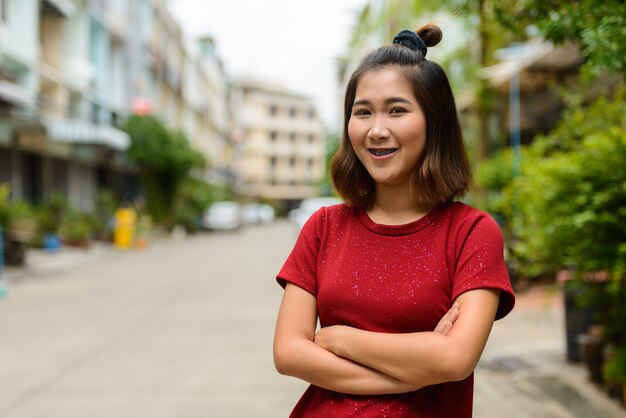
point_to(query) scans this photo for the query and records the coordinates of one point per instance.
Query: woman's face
(387, 127)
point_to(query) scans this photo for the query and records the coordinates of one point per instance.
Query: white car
(309, 206)
(258, 213)
(267, 213)
(223, 215)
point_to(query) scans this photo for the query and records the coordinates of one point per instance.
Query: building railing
(84, 132)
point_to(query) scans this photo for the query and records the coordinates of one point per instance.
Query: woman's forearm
(422, 358)
(306, 360)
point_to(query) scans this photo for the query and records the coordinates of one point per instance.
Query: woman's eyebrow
(391, 100)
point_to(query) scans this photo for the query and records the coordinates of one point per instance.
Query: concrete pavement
(185, 328)
(524, 373)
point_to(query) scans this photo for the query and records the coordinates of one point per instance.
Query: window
(273, 163)
(293, 112)
(273, 110)
(292, 161)
(311, 139)
(311, 113)
(273, 136)
(292, 137)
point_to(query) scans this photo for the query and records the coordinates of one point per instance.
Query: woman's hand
(328, 337)
(445, 324)
(296, 354)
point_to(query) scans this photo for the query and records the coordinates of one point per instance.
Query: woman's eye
(361, 112)
(397, 110)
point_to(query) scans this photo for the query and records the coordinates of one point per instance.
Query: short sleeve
(300, 268)
(480, 261)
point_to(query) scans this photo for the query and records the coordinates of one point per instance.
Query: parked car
(309, 206)
(223, 216)
(250, 213)
(267, 213)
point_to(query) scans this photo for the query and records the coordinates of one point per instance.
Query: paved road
(184, 330)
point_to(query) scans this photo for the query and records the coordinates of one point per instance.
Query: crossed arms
(353, 361)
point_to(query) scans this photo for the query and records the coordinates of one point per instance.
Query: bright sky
(290, 42)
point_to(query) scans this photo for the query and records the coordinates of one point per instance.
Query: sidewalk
(524, 372)
(42, 263)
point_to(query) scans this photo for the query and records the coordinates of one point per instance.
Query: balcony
(84, 132)
(17, 95)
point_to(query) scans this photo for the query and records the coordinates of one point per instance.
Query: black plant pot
(591, 350)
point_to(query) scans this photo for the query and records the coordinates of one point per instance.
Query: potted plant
(48, 219)
(16, 221)
(75, 228)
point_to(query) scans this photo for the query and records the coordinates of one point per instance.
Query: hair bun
(430, 34)
(411, 40)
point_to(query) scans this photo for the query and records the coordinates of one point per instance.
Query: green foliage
(105, 207)
(5, 207)
(571, 201)
(493, 176)
(325, 185)
(599, 26)
(50, 214)
(165, 160)
(572, 192)
(75, 227)
(154, 148)
(195, 197)
(615, 368)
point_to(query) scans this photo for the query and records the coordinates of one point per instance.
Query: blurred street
(184, 330)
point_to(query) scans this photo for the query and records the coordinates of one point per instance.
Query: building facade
(283, 143)
(58, 135)
(72, 71)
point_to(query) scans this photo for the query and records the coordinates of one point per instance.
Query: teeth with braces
(381, 152)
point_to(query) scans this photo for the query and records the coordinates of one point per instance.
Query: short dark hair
(443, 172)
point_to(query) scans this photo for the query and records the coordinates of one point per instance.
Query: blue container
(51, 242)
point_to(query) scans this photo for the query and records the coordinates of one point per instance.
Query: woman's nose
(378, 129)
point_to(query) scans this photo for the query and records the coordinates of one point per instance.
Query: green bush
(571, 195)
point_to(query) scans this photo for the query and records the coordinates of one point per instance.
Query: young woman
(406, 282)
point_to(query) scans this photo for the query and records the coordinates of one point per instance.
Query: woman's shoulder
(334, 212)
(462, 213)
(331, 212)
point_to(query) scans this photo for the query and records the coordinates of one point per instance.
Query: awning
(84, 132)
(16, 94)
(66, 7)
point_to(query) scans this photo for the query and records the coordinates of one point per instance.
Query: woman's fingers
(447, 322)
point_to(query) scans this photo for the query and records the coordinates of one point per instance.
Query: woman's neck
(396, 206)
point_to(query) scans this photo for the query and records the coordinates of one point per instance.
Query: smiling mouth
(382, 152)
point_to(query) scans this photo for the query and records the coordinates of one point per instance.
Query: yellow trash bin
(125, 224)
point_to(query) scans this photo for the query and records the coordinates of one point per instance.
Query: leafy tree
(598, 26)
(164, 158)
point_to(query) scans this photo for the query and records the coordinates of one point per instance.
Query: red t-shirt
(396, 279)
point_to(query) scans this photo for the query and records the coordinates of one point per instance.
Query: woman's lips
(382, 153)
